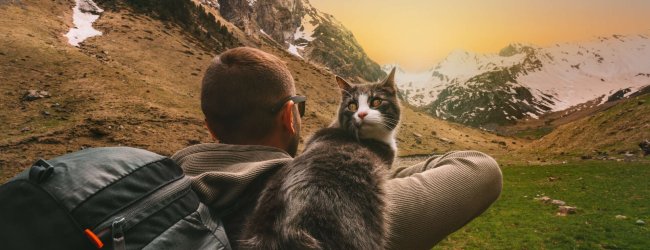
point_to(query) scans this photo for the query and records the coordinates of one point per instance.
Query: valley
(138, 84)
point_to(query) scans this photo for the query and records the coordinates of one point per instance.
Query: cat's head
(370, 111)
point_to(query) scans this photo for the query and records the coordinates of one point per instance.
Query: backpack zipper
(123, 221)
(117, 231)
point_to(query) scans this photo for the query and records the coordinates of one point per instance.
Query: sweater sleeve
(430, 200)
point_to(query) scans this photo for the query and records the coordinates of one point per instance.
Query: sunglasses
(297, 99)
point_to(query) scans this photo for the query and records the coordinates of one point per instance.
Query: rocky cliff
(305, 32)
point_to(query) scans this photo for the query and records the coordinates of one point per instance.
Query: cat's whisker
(390, 119)
(388, 126)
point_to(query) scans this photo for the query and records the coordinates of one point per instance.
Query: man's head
(240, 89)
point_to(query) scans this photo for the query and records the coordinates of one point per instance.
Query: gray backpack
(108, 198)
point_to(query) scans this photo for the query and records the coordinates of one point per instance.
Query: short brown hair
(239, 90)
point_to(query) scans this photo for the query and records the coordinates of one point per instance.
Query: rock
(566, 210)
(502, 143)
(98, 132)
(544, 199)
(88, 6)
(445, 140)
(46, 113)
(32, 95)
(645, 147)
(641, 102)
(558, 202)
(417, 135)
(25, 129)
(553, 178)
(640, 222)
(585, 157)
(620, 217)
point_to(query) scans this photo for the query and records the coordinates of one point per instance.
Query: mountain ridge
(525, 81)
(305, 32)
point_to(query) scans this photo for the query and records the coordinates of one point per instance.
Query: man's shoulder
(218, 149)
(207, 157)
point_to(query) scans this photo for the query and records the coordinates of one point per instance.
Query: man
(246, 98)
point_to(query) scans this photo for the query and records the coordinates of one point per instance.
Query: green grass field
(600, 191)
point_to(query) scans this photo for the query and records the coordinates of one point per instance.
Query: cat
(332, 195)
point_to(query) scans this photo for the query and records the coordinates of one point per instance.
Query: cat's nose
(362, 115)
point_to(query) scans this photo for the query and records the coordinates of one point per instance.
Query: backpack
(106, 198)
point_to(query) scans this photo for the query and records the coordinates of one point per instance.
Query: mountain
(525, 81)
(613, 132)
(304, 31)
(136, 82)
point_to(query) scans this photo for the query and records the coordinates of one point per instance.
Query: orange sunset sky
(419, 33)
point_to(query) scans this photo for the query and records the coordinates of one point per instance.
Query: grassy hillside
(614, 131)
(599, 190)
(138, 85)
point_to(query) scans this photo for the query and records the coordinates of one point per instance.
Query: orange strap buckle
(93, 238)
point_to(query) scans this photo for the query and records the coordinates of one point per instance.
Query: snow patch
(293, 49)
(306, 29)
(251, 2)
(84, 14)
(533, 115)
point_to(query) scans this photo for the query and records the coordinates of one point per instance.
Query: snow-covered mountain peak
(527, 80)
(517, 48)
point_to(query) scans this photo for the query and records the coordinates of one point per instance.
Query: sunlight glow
(418, 33)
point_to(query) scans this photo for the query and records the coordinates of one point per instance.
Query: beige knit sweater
(428, 201)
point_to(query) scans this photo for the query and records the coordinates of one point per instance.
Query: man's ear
(212, 133)
(287, 117)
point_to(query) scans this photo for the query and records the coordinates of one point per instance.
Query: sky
(419, 33)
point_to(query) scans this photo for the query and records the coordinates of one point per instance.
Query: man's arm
(430, 200)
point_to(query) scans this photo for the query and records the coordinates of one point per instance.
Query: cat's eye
(352, 107)
(376, 102)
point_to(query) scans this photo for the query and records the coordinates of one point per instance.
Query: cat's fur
(332, 196)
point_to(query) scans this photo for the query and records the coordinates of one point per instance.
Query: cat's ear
(345, 86)
(389, 83)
